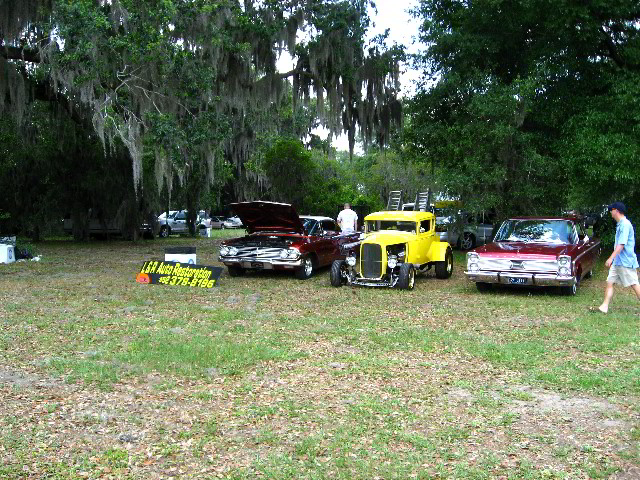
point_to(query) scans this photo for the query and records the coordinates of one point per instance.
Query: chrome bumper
(521, 278)
(257, 263)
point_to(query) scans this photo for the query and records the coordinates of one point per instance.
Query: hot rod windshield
(387, 225)
(540, 231)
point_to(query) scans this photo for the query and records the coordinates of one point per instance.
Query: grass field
(266, 376)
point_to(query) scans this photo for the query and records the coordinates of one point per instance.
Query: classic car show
(319, 239)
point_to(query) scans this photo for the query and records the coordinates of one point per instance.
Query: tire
(483, 286)
(468, 241)
(222, 227)
(337, 267)
(445, 269)
(165, 230)
(235, 271)
(407, 277)
(572, 290)
(306, 270)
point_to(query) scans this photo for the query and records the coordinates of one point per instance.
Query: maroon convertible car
(535, 251)
(280, 239)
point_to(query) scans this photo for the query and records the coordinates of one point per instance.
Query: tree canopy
(190, 71)
(528, 106)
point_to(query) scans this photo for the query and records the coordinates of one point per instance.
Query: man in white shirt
(348, 219)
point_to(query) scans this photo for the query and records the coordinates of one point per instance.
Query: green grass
(265, 375)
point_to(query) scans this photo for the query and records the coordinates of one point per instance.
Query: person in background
(347, 219)
(622, 263)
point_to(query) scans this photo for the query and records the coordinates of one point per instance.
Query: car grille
(517, 265)
(371, 261)
(258, 252)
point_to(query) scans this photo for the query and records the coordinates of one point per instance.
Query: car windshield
(540, 231)
(310, 225)
(387, 225)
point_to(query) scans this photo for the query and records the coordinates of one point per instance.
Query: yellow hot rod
(394, 247)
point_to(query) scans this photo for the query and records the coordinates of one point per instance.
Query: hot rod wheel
(407, 277)
(337, 274)
(445, 269)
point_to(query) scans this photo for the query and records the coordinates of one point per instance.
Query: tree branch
(19, 53)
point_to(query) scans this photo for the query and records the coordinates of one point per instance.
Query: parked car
(535, 251)
(177, 222)
(279, 239)
(232, 222)
(396, 245)
(217, 222)
(465, 231)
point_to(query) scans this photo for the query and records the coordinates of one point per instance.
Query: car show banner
(176, 273)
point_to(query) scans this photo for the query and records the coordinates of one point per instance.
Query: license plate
(518, 281)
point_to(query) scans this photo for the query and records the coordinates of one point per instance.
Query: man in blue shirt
(622, 263)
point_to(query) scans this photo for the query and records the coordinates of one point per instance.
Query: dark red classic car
(279, 239)
(535, 251)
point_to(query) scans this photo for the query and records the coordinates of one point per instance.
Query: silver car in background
(463, 230)
(233, 222)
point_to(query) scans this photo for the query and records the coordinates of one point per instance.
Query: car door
(588, 250)
(180, 222)
(424, 239)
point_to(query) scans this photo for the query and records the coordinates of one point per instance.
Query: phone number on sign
(186, 281)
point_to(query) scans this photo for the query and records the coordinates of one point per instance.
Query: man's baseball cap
(618, 206)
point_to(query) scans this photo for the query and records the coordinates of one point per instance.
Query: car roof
(316, 217)
(407, 215)
(570, 218)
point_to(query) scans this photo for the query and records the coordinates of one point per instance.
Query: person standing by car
(622, 263)
(347, 219)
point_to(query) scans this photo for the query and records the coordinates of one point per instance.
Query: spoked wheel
(468, 241)
(306, 270)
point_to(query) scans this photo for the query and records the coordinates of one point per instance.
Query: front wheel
(445, 269)
(570, 291)
(337, 274)
(407, 277)
(306, 270)
(164, 231)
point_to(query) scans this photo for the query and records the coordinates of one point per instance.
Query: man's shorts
(622, 276)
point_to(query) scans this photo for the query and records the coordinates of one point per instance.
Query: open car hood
(268, 216)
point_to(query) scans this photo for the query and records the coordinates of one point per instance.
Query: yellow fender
(438, 251)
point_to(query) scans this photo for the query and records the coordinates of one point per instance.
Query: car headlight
(564, 265)
(233, 251)
(293, 253)
(351, 261)
(284, 253)
(472, 262)
(224, 250)
(392, 261)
